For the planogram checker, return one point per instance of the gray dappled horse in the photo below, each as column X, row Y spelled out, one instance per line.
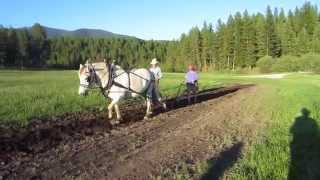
column 115, row 83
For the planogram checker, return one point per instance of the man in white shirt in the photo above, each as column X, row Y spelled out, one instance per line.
column 156, row 71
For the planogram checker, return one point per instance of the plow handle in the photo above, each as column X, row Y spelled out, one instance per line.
column 179, row 89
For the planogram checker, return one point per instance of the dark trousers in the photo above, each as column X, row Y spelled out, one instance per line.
column 192, row 90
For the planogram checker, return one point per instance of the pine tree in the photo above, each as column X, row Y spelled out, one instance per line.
column 316, row 39
column 288, row 40
column 261, row 36
column 308, row 17
column 239, row 49
column 229, row 42
column 252, row 47
column 3, row 45
column 39, row 44
column 206, row 33
column 219, row 46
column 23, row 43
column 303, row 42
column 12, row 48
column 273, row 42
column 249, row 41
column 195, row 43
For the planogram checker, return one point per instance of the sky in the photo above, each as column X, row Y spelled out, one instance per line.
column 145, row 19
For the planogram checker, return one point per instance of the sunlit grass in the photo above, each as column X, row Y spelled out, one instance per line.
column 271, row 157
column 33, row 94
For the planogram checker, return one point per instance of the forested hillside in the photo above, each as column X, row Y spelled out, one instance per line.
column 31, row 48
column 237, row 43
column 95, row 33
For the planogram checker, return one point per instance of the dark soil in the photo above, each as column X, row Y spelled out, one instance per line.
column 86, row 145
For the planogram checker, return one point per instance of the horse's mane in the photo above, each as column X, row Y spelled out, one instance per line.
column 102, row 70
column 100, row 65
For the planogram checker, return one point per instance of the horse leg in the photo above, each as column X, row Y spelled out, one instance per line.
column 148, row 112
column 189, row 97
column 116, row 107
column 195, row 97
column 158, row 96
column 164, row 106
column 114, row 103
column 110, row 108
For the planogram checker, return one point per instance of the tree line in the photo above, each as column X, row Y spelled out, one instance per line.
column 235, row 44
column 31, row 48
column 243, row 39
column 23, row 47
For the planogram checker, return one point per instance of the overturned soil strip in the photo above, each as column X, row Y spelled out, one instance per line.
column 86, row 145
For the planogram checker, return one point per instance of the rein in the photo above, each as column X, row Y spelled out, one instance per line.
column 93, row 80
column 143, row 94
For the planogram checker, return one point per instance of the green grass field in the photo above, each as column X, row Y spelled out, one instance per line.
column 294, row 109
column 291, row 106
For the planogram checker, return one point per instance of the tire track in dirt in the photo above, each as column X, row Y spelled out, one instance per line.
column 143, row 148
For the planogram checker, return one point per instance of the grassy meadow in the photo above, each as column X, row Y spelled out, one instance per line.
column 289, row 147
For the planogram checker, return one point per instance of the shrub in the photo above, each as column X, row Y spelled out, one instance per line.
column 310, row 62
column 286, row 64
column 265, row 64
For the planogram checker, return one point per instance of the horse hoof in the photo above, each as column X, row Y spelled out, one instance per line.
column 114, row 122
column 119, row 119
column 164, row 106
column 145, row 117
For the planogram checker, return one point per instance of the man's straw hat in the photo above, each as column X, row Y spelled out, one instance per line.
column 154, row 61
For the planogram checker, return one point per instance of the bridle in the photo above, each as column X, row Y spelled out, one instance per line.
column 92, row 79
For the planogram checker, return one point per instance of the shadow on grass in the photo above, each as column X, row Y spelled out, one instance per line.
column 224, row 161
column 304, row 148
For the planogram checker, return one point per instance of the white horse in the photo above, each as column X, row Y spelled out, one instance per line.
column 115, row 83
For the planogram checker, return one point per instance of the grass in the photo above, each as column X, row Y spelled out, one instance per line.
column 288, row 148
column 33, row 94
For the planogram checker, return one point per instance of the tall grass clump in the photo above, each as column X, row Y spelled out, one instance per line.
column 310, row 62
column 265, row 64
column 288, row 63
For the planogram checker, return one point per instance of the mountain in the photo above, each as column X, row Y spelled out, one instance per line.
column 83, row 32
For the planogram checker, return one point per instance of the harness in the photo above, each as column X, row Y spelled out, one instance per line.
column 93, row 81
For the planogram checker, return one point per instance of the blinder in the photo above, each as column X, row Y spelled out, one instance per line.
column 92, row 79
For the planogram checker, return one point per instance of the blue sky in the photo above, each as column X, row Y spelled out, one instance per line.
column 146, row 19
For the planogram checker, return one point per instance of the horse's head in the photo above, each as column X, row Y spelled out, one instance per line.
column 84, row 77
column 93, row 75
